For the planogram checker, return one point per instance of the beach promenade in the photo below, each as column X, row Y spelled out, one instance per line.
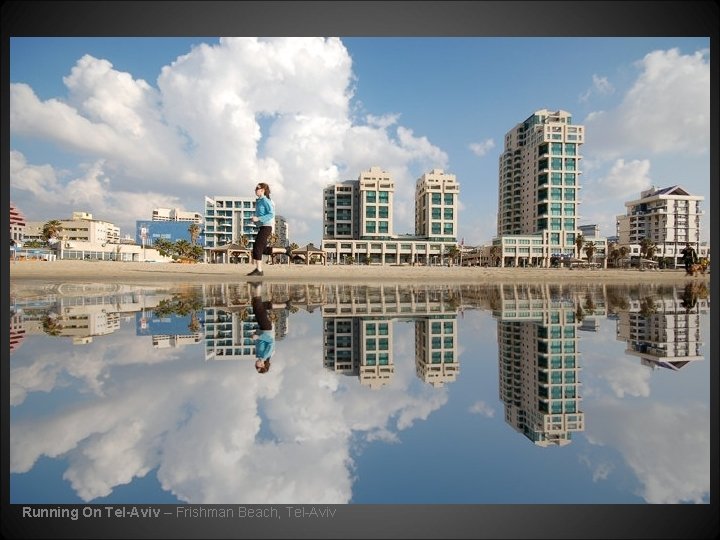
column 154, row 273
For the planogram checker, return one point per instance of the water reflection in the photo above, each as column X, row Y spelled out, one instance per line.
column 108, row 381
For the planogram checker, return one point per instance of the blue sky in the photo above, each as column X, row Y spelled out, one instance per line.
column 119, row 126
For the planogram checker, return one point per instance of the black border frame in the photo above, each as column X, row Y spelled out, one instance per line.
column 507, row 18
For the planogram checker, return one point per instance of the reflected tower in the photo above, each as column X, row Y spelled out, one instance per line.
column 664, row 330
column 539, row 364
column 358, row 332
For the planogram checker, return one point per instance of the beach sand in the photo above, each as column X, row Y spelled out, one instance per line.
column 155, row 273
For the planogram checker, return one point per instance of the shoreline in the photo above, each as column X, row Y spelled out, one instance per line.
column 153, row 273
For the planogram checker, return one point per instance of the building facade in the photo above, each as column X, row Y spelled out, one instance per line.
column 539, row 364
column 17, row 226
column 175, row 214
column 81, row 227
column 282, row 230
column 668, row 217
column 358, row 220
column 358, row 331
column 148, row 232
column 538, row 190
column 228, row 220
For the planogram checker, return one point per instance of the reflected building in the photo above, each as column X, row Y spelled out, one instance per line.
column 359, row 346
column 170, row 330
column 82, row 314
column 664, row 331
column 80, row 311
column 436, row 361
column 358, row 331
column 539, row 363
column 230, row 322
column 17, row 329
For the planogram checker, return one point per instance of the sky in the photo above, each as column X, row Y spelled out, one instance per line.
column 120, row 126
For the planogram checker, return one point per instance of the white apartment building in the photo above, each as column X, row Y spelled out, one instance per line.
column 80, row 228
column 228, row 219
column 358, row 217
column 436, row 197
column 539, row 364
column 282, row 229
column 358, row 326
column 668, row 217
column 175, row 214
column 668, row 337
column 539, row 190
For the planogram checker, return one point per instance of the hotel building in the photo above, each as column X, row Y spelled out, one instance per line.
column 668, row 217
column 358, row 330
column 538, row 190
column 358, row 217
column 171, row 224
column 282, row 229
column 229, row 322
column 81, row 227
column 17, row 225
column 228, row 219
column 175, row 214
column 666, row 332
column 539, row 363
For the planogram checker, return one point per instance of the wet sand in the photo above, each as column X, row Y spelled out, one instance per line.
column 157, row 273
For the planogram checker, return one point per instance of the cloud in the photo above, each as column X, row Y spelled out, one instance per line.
column 600, row 86
column 221, row 117
column 600, row 471
column 482, row 148
column 624, row 181
column 482, row 408
column 214, row 432
column 667, row 447
column 667, row 110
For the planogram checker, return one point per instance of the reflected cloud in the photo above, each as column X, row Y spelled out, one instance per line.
column 197, row 415
column 667, row 448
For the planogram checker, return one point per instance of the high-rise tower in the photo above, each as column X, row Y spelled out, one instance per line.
column 539, row 180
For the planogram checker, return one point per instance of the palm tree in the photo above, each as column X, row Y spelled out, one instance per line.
column 182, row 248
column 194, row 230
column 164, row 247
column 579, row 242
column 196, row 253
column 590, row 249
column 623, row 252
column 51, row 230
column 51, row 324
column 647, row 248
